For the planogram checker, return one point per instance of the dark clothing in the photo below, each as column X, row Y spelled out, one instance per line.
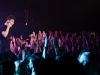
column 5, row 41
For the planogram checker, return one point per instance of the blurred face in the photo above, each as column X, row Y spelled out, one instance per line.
column 56, row 32
column 50, row 33
column 10, row 22
column 43, row 32
column 67, row 35
column 60, row 32
column 78, row 41
column 21, row 37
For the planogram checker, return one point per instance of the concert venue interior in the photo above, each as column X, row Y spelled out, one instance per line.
column 52, row 37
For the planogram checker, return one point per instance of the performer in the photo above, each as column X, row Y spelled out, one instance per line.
column 5, row 33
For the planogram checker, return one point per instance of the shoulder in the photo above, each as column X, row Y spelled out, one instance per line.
column 2, row 27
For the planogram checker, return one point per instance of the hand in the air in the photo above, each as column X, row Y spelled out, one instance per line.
column 55, row 42
column 46, row 41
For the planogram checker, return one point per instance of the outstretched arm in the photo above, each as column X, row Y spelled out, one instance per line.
column 44, row 55
column 56, row 46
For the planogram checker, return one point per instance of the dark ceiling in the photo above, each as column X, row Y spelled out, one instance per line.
column 53, row 14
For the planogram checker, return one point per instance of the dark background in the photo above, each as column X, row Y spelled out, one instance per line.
column 65, row 15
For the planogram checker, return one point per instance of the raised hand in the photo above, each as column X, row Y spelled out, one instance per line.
column 56, row 46
column 44, row 34
column 55, row 42
column 13, row 39
column 9, row 25
column 46, row 41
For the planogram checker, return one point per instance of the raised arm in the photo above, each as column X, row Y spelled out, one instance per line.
column 45, row 48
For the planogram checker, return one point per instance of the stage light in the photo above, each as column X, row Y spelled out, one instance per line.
column 26, row 24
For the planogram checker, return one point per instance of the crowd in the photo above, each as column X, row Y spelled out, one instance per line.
column 54, row 53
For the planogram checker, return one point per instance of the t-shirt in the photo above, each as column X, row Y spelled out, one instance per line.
column 5, row 41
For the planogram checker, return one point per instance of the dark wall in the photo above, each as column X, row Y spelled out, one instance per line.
column 65, row 15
